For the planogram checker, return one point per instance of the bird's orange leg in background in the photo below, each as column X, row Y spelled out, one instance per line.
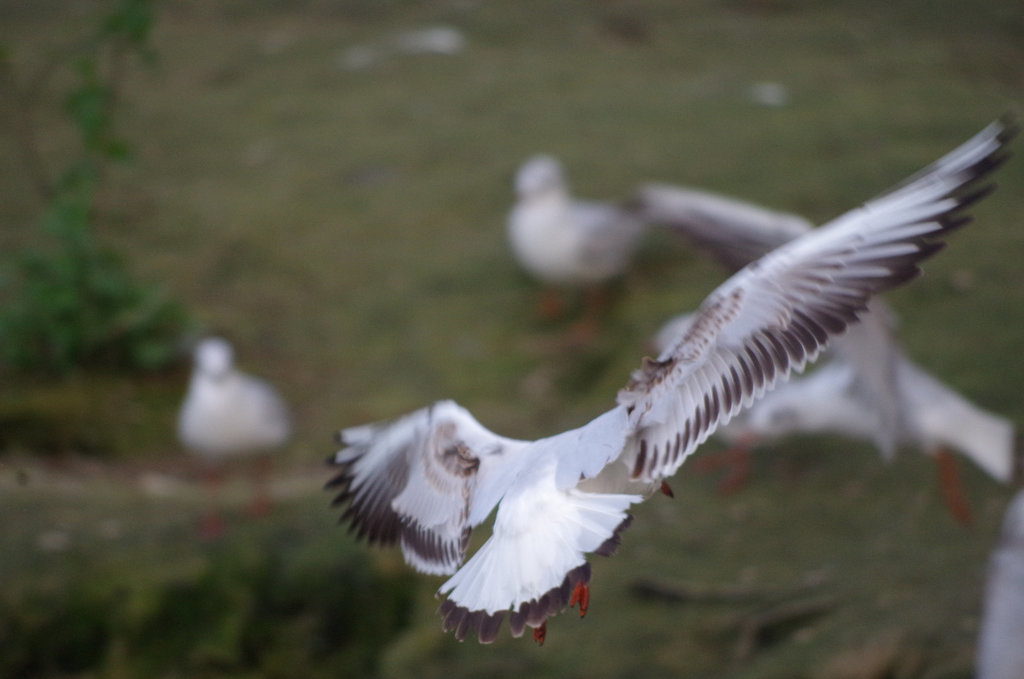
column 583, row 331
column 736, row 460
column 551, row 305
column 212, row 525
column 262, row 502
column 952, row 488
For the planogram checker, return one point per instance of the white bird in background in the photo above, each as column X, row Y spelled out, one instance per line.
column 426, row 479
column 228, row 414
column 1000, row 651
column 868, row 389
column 567, row 243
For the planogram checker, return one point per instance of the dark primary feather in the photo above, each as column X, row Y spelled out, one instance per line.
column 369, row 512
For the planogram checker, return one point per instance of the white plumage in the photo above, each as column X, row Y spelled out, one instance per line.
column 227, row 412
column 428, row 478
column 564, row 241
column 226, row 415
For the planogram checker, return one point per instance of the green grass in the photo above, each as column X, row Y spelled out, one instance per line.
column 346, row 230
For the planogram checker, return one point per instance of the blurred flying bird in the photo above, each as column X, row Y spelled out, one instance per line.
column 732, row 231
column 426, row 479
column 228, row 414
column 868, row 389
column 567, row 243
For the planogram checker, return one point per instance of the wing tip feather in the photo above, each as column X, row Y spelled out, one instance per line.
column 486, row 626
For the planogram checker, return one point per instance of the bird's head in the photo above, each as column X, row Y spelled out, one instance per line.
column 539, row 175
column 214, row 357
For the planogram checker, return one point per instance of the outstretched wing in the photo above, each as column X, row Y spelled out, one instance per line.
column 778, row 312
column 413, row 481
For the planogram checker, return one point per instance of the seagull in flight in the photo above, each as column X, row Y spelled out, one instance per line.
column 867, row 389
column 425, row 480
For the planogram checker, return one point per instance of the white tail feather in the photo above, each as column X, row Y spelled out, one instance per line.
column 538, row 538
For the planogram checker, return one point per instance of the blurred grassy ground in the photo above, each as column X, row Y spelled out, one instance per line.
column 346, row 229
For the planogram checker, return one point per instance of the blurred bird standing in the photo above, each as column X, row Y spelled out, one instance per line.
column 567, row 243
column 226, row 415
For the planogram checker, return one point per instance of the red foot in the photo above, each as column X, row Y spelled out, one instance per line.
column 540, row 632
column 952, row 488
column 212, row 527
column 583, row 332
column 552, row 305
column 581, row 596
column 667, row 489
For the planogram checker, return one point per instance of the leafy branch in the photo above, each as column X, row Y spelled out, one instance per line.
column 73, row 303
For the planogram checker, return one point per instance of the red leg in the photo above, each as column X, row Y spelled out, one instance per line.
column 551, row 305
column 597, row 301
column 582, row 333
column 581, row 596
column 540, row 632
column 740, row 470
column 952, row 488
column 212, row 525
column 735, row 460
column 262, row 502
column 595, row 307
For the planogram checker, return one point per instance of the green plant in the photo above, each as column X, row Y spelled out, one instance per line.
column 68, row 300
column 264, row 603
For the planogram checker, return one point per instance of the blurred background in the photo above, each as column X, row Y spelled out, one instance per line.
column 326, row 185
